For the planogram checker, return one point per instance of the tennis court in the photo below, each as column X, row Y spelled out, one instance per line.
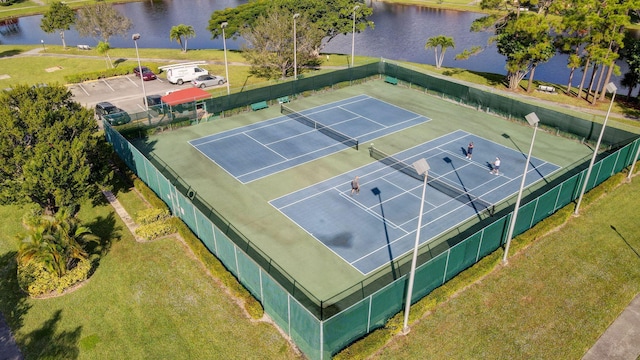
column 370, row 229
column 249, row 204
column 262, row 149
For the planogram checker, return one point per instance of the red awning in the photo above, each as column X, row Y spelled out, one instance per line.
column 185, row 96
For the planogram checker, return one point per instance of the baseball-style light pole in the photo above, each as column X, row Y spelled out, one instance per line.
column 422, row 168
column 224, row 45
column 353, row 35
column 295, row 48
column 533, row 120
column 611, row 87
column 135, row 38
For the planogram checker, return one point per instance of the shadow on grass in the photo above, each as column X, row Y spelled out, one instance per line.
column 631, row 108
column 8, row 53
column 492, row 79
column 48, row 342
column 13, row 301
column 108, row 232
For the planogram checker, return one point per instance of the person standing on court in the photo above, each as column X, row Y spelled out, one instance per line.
column 469, row 150
column 496, row 167
column 355, row 186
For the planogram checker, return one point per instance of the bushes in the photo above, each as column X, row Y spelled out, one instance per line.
column 34, row 279
column 148, row 216
column 94, row 75
column 154, row 223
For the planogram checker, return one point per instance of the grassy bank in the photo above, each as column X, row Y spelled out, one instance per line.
column 566, row 281
column 145, row 300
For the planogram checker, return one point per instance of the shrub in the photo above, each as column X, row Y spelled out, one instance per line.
column 34, row 279
column 148, row 216
column 155, row 230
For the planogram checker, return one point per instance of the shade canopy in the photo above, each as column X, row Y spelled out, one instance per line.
column 185, row 96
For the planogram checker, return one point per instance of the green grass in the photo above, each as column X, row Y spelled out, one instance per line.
column 26, row 8
column 559, row 292
column 145, row 300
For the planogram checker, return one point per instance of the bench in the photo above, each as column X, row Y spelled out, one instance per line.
column 391, row 80
column 259, row 105
column 282, row 100
column 84, row 47
column 547, row 89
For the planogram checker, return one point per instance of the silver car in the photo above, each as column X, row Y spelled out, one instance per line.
column 203, row 81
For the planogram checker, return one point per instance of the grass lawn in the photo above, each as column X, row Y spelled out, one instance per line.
column 553, row 300
column 146, row 300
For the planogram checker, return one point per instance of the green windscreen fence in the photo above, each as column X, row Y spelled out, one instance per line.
column 322, row 327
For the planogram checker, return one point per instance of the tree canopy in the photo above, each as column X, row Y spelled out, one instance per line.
column 102, row 21
column 182, row 31
column 332, row 17
column 270, row 44
column 59, row 17
column 51, row 153
column 591, row 31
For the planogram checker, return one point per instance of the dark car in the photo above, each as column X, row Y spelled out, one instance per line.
column 147, row 74
column 111, row 113
column 203, row 81
column 154, row 102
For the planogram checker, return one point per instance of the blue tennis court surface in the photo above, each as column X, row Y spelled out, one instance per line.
column 264, row 148
column 372, row 228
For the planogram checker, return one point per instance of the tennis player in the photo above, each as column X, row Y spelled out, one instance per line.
column 355, row 186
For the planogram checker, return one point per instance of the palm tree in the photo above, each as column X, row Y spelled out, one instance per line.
column 55, row 241
column 179, row 31
column 103, row 49
column 442, row 42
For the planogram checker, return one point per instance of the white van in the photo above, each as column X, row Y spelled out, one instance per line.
column 181, row 73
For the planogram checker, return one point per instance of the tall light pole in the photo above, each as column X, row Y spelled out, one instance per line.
column 633, row 163
column 295, row 48
column 353, row 34
column 135, row 38
column 422, row 167
column 224, row 45
column 533, row 120
column 611, row 87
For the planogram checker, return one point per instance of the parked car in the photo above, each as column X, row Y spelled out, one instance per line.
column 203, row 81
column 147, row 74
column 111, row 113
column 185, row 72
column 154, row 102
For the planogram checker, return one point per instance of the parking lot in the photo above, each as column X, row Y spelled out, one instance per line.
column 123, row 91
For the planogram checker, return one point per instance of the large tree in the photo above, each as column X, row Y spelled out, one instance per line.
column 439, row 42
column 523, row 37
column 525, row 40
column 59, row 17
column 631, row 53
column 101, row 21
column 181, row 31
column 270, row 44
column 332, row 17
column 51, row 154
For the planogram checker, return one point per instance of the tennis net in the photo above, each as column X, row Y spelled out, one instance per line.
column 458, row 194
column 326, row 130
